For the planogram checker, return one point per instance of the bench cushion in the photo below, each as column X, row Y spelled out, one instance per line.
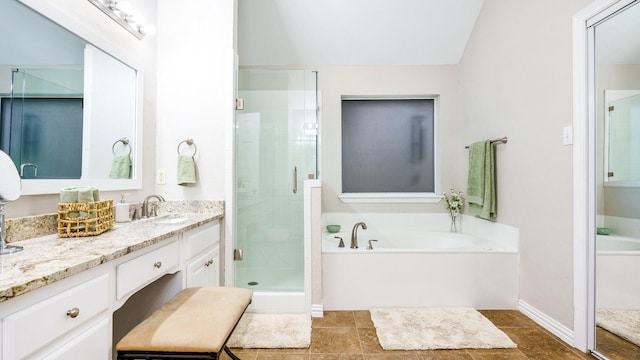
column 195, row 320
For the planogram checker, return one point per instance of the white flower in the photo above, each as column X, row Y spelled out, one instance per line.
column 454, row 202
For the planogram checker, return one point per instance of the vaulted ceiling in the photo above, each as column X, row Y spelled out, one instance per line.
column 354, row 32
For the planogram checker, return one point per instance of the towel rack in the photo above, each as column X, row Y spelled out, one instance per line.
column 124, row 141
column 502, row 140
column 190, row 143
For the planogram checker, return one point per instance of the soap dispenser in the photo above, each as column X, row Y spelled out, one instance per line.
column 122, row 210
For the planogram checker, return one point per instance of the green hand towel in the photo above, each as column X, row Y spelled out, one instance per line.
column 186, row 170
column 120, row 167
column 69, row 195
column 85, row 194
column 79, row 194
column 481, row 185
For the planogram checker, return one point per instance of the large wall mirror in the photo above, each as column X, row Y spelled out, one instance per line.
column 616, row 66
column 70, row 114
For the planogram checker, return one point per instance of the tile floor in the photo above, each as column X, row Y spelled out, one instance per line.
column 350, row 335
column 614, row 347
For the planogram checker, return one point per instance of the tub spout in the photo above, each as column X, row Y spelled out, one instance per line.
column 354, row 234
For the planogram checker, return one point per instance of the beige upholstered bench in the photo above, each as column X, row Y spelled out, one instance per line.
column 195, row 324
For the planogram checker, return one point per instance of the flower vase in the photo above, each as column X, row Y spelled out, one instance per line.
column 454, row 226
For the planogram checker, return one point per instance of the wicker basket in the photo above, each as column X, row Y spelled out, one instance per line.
column 84, row 219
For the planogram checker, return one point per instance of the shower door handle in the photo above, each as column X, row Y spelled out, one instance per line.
column 295, row 179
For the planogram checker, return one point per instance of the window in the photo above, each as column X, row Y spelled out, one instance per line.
column 388, row 146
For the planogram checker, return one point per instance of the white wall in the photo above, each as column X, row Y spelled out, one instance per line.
column 195, row 92
column 84, row 18
column 516, row 81
column 441, row 80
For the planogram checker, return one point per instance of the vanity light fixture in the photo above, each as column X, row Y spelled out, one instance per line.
column 120, row 14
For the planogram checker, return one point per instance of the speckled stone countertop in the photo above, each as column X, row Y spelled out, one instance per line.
column 47, row 259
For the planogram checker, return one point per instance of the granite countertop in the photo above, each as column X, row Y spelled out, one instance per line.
column 47, row 259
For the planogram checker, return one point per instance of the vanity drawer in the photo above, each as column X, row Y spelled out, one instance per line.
column 27, row 330
column 202, row 238
column 146, row 268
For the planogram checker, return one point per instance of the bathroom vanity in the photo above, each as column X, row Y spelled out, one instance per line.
column 58, row 295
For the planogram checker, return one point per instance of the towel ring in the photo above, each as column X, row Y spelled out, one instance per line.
column 124, row 141
column 190, row 143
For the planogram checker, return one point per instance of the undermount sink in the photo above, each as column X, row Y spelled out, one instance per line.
column 171, row 220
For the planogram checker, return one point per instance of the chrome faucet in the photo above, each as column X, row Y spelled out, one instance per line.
column 145, row 205
column 354, row 234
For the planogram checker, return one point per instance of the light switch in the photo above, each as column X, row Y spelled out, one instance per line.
column 161, row 177
column 567, row 135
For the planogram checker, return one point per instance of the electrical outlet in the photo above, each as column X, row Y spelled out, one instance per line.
column 161, row 177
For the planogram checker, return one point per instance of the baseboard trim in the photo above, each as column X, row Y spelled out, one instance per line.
column 317, row 310
column 547, row 322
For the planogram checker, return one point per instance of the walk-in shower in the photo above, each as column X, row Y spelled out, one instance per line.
column 41, row 110
column 275, row 151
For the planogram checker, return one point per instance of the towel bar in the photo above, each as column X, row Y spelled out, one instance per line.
column 502, row 140
column 190, row 143
column 124, row 141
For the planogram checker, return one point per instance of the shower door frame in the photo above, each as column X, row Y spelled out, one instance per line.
column 264, row 301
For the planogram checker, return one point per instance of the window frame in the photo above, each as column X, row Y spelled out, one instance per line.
column 399, row 197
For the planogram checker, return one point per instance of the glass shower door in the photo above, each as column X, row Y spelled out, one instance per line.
column 42, row 120
column 624, row 139
column 276, row 136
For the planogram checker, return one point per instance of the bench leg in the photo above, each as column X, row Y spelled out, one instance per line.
column 231, row 355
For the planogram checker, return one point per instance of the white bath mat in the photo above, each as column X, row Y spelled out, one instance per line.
column 437, row 328
column 624, row 323
column 256, row 331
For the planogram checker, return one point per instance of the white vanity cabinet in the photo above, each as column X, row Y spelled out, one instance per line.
column 203, row 255
column 72, row 318
column 72, row 321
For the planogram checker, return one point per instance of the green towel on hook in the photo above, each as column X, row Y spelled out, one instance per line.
column 186, row 170
column 481, row 182
column 120, row 167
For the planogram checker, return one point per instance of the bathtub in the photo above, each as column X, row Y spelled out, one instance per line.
column 414, row 267
column 407, row 241
column 617, row 269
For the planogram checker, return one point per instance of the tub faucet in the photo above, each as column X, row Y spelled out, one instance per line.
column 354, row 234
column 145, row 205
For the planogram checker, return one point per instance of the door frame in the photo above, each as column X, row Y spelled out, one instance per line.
column 584, row 169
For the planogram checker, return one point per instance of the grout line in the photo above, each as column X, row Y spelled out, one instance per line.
column 355, row 326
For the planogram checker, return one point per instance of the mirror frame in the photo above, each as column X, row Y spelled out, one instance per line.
column 91, row 36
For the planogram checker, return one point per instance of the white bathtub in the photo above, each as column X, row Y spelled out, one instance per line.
column 611, row 244
column 617, row 269
column 413, row 267
column 404, row 240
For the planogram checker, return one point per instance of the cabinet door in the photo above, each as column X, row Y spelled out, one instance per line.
column 196, row 271
column 204, row 270
column 94, row 343
column 213, row 267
